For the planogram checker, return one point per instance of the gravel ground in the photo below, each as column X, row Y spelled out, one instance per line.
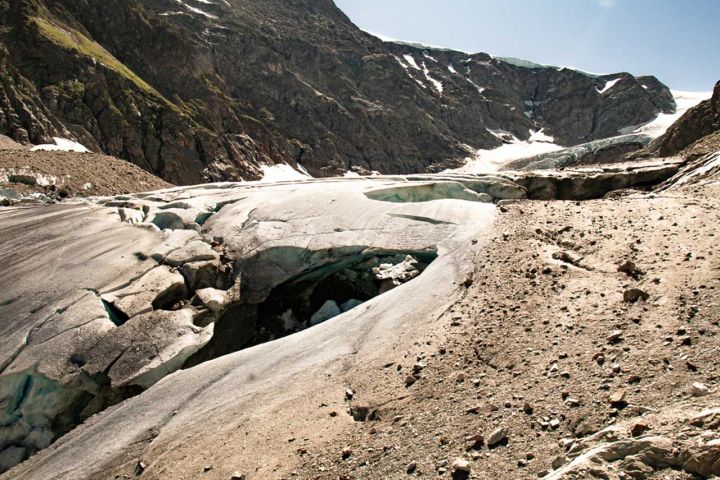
column 75, row 174
column 545, row 349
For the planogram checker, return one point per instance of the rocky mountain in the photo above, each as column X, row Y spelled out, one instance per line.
column 204, row 90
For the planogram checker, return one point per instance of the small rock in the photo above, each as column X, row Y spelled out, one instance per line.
column 617, row 399
column 497, row 437
column 237, row 476
column 215, row 300
column 559, row 461
column 634, row 295
column 461, row 465
column 615, row 337
column 412, row 466
column 346, row 453
column 630, row 269
column 697, row 389
column 475, row 442
column 410, row 380
column 361, row 413
column 639, row 428
column 140, row 468
column 349, row 394
column 527, row 408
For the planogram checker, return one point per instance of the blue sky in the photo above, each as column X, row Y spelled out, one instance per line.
column 678, row 41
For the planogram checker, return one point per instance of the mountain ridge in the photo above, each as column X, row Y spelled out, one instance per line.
column 208, row 91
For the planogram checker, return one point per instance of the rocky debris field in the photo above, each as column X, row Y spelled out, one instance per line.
column 586, row 347
column 51, row 176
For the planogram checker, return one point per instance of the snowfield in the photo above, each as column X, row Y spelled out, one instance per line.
column 491, row 160
column 684, row 100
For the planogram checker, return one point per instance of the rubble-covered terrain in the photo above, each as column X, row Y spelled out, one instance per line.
column 359, row 327
column 46, row 176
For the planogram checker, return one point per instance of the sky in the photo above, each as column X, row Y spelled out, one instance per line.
column 678, row 41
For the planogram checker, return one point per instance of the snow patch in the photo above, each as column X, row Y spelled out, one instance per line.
column 61, row 145
column 479, row 88
column 609, row 85
column 539, row 136
column 436, row 83
column 282, row 172
column 411, row 61
column 486, row 161
column 197, row 10
column 451, row 69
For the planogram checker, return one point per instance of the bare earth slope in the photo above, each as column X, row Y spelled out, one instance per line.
column 543, row 341
column 64, row 174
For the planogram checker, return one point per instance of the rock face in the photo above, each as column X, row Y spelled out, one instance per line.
column 690, row 446
column 210, row 91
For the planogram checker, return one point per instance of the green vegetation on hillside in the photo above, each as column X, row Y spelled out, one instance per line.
column 78, row 42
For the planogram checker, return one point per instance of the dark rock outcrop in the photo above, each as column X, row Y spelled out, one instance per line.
column 202, row 91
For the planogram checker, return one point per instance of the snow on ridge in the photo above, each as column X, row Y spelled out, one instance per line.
column 436, row 83
column 479, row 88
column 539, row 136
column 197, row 10
column 608, row 85
column 411, row 61
column 407, row 70
column 61, row 145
